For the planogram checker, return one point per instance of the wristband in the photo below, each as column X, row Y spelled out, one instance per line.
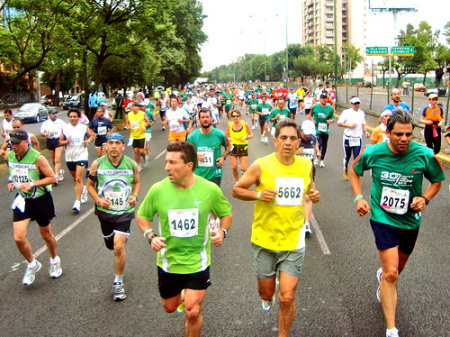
column 426, row 199
column 31, row 184
column 224, row 158
column 258, row 196
column 147, row 231
column 358, row 197
column 135, row 195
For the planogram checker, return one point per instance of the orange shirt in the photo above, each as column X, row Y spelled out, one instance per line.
column 433, row 114
column 378, row 134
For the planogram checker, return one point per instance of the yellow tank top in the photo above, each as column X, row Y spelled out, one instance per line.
column 278, row 224
column 237, row 135
column 137, row 123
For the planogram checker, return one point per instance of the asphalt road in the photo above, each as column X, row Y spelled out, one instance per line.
column 335, row 296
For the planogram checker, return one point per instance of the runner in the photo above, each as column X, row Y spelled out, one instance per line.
column 293, row 98
column 114, row 185
column 433, row 118
column 101, row 127
column 137, row 124
column 396, row 201
column 379, row 133
column 252, row 104
column 309, row 102
column 280, row 113
column 183, row 202
column 281, row 181
column 148, row 109
column 263, row 110
column 240, row 133
column 76, row 137
column 308, row 147
column 7, row 123
column 176, row 117
column 32, row 176
column 52, row 130
column 301, row 92
column 32, row 140
column 323, row 115
column 354, row 122
column 396, row 101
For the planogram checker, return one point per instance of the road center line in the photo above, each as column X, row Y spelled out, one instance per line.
column 319, row 235
column 57, row 237
column 159, row 155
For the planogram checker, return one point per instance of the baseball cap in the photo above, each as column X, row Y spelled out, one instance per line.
column 142, row 104
column 116, row 135
column 308, row 128
column 385, row 112
column 432, row 95
column 355, row 100
column 324, row 95
column 103, row 104
column 18, row 135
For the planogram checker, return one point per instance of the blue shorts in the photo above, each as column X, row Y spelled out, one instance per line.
column 387, row 236
column 263, row 121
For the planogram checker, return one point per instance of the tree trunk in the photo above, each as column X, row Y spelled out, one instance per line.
column 57, row 86
column 85, row 84
column 439, row 73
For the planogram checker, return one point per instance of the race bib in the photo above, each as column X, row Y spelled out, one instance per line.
column 265, row 111
column 394, row 200
column 19, row 176
column 183, row 223
column 76, row 141
column 253, row 106
column 308, row 153
column 119, row 201
column 228, row 102
column 354, row 141
column 134, row 124
column 322, row 127
column 208, row 160
column 102, row 130
column 174, row 124
column 282, row 117
column 290, row 191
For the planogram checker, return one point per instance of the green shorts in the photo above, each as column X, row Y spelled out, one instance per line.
column 267, row 262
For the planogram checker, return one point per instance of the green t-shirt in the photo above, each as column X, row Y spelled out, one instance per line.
column 184, row 97
column 183, row 221
column 320, row 115
column 285, row 113
column 210, row 144
column 149, row 113
column 397, row 179
column 253, row 105
column 229, row 100
column 265, row 109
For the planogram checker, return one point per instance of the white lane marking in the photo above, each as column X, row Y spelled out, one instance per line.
column 159, row 155
column 15, row 266
column 319, row 235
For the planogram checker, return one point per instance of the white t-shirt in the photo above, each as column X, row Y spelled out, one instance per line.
column 75, row 150
column 55, row 127
column 308, row 101
column 211, row 101
column 318, row 93
column 174, row 116
column 7, row 126
column 350, row 116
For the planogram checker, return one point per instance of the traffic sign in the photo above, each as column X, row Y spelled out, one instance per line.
column 230, row 74
column 403, row 51
column 377, row 51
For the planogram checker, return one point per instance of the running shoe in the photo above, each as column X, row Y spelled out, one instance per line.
column 146, row 159
column 140, row 167
column 181, row 307
column 266, row 305
column 253, row 127
column 393, row 333
column 30, row 274
column 379, row 273
column 262, row 138
column 55, row 269
column 266, row 140
column 164, row 128
column 61, row 175
column 119, row 292
column 322, row 164
column 76, row 207
column 346, row 174
column 316, row 162
column 84, row 195
column 308, row 228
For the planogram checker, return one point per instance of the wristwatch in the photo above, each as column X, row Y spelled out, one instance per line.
column 224, row 232
column 151, row 237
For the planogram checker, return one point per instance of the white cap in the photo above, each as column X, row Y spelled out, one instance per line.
column 385, row 112
column 355, row 100
column 308, row 128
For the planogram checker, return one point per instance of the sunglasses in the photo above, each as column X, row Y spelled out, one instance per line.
column 235, row 115
column 432, row 99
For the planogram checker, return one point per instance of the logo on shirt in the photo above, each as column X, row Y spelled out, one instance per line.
column 396, row 179
column 196, row 203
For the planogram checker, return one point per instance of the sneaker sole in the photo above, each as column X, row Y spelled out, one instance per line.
column 118, row 299
column 39, row 268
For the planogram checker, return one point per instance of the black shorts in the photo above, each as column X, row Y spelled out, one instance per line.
column 293, row 110
column 99, row 142
column 307, row 111
column 52, row 143
column 72, row 165
column 41, row 210
column 217, row 180
column 162, row 114
column 263, row 121
column 228, row 108
column 138, row 143
column 387, row 236
column 239, row 150
column 170, row 285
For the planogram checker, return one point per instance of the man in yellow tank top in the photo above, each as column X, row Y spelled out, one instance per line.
column 281, row 181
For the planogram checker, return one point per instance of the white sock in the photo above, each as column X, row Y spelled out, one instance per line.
column 32, row 264
column 393, row 330
column 118, row 278
column 77, row 203
column 55, row 260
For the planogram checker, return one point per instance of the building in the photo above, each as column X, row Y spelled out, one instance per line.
column 318, row 25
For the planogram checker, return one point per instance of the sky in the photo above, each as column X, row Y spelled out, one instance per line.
column 239, row 27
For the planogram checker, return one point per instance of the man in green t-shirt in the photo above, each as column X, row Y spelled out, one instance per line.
column 148, row 109
column 263, row 110
column 252, row 104
column 280, row 113
column 397, row 202
column 113, row 183
column 323, row 115
column 183, row 201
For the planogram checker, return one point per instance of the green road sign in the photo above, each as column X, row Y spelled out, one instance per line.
column 377, row 51
column 230, row 74
column 403, row 51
